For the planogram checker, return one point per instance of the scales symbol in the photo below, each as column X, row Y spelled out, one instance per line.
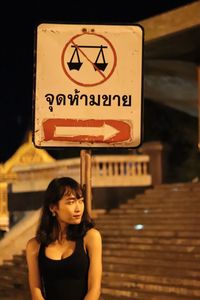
column 75, row 62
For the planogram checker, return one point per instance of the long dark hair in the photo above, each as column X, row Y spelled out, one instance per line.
column 48, row 229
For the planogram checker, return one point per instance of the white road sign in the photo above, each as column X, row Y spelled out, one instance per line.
column 88, row 85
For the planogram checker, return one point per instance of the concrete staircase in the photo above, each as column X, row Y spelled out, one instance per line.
column 151, row 249
column 152, row 245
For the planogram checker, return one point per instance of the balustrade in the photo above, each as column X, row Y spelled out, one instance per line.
column 107, row 171
column 120, row 170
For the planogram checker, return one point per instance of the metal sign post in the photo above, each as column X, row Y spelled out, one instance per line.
column 198, row 82
column 86, row 177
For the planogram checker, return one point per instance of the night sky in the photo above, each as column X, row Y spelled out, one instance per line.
column 18, row 23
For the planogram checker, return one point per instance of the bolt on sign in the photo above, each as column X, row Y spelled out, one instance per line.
column 88, row 86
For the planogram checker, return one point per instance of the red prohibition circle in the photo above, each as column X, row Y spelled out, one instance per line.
column 72, row 41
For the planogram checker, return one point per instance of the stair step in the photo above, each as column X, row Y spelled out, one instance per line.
column 190, row 242
column 159, row 227
column 151, row 233
column 155, row 270
column 14, row 295
column 155, row 211
column 152, row 255
column 191, row 250
column 149, row 287
column 146, row 214
column 110, row 297
column 157, row 199
column 180, row 186
column 150, row 220
column 158, row 208
column 169, row 264
column 164, row 280
column 140, row 295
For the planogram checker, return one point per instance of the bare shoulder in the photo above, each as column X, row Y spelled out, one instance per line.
column 32, row 246
column 93, row 233
column 92, row 236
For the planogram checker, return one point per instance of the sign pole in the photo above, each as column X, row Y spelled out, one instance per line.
column 198, row 82
column 86, row 177
column 82, row 168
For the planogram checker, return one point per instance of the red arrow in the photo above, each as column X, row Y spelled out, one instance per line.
column 94, row 131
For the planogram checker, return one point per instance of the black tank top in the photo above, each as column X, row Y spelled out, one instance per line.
column 67, row 278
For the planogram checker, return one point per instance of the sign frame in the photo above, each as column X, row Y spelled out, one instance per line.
column 81, row 143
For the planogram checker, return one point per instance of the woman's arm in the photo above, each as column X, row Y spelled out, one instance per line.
column 32, row 250
column 94, row 247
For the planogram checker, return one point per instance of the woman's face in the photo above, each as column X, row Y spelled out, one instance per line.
column 69, row 209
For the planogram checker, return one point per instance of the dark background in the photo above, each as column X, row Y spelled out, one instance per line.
column 18, row 23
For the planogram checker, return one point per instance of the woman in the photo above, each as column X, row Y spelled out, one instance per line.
column 65, row 257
